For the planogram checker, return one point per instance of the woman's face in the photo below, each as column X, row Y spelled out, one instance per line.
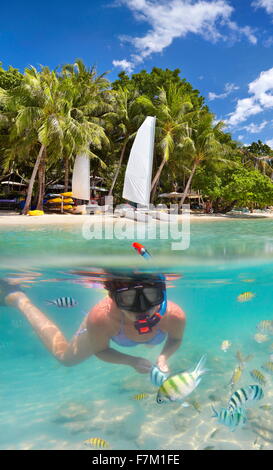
column 135, row 316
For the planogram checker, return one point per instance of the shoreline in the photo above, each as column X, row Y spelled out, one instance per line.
column 13, row 219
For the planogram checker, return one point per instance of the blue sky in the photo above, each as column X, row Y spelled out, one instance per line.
column 223, row 47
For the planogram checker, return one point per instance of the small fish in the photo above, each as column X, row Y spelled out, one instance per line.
column 265, row 326
column 245, row 297
column 196, row 405
column 157, row 376
column 140, row 396
column 266, row 407
column 258, row 376
column 96, row 443
column 248, row 280
column 225, row 345
column 241, row 359
column 261, row 338
column 178, row 386
column 236, row 375
column 209, row 448
column 229, row 419
column 240, row 398
column 141, row 250
column 63, row 302
column 268, row 366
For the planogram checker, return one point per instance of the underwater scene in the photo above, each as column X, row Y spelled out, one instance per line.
column 218, row 392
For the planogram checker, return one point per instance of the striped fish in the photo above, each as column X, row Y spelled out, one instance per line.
column 258, row 376
column 245, row 297
column 96, row 443
column 63, row 302
column 268, row 366
column 177, row 387
column 229, row 419
column 140, row 396
column 265, row 326
column 157, row 376
column 239, row 398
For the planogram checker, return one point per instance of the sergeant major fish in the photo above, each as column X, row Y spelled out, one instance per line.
column 258, row 376
column 229, row 419
column 63, row 302
column 245, row 297
column 96, row 443
column 268, row 366
column 240, row 398
column 178, row 386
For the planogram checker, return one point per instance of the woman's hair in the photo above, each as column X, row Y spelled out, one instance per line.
column 114, row 283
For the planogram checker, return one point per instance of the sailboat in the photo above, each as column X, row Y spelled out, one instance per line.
column 81, row 179
column 138, row 175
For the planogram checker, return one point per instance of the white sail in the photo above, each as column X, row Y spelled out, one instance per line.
column 81, row 178
column 137, row 182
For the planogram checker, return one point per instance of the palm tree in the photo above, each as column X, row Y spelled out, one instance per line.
column 47, row 116
column 200, row 145
column 172, row 109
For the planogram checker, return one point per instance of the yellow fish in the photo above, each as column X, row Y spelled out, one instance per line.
column 225, row 345
column 236, row 375
column 242, row 360
column 140, row 396
column 245, row 297
column 258, row 376
column 96, row 443
column 268, row 366
column 261, row 338
column 195, row 404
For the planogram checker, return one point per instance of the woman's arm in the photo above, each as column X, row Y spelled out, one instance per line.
column 100, row 333
column 175, row 324
column 112, row 355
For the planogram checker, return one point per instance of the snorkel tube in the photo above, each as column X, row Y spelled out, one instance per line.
column 145, row 323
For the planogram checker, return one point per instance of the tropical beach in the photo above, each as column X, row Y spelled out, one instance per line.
column 136, row 246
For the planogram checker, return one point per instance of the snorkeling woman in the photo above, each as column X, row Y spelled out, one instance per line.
column 135, row 312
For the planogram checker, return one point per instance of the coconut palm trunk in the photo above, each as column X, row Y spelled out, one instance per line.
column 41, row 179
column 158, row 173
column 186, row 190
column 118, row 168
column 32, row 180
column 66, row 174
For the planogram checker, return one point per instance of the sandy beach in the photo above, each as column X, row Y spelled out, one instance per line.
column 14, row 219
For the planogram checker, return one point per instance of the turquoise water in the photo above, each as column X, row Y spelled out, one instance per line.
column 44, row 405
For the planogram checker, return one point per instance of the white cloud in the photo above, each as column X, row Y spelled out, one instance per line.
column 269, row 143
column 267, row 4
column 123, row 64
column 229, row 88
column 171, row 19
column 260, row 100
column 255, row 128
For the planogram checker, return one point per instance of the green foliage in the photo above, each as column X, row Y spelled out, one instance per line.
column 74, row 109
column 10, row 78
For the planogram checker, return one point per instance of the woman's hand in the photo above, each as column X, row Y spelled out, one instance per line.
column 143, row 366
column 162, row 364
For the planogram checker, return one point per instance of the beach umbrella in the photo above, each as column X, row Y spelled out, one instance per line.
column 14, row 183
column 97, row 188
column 174, row 194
